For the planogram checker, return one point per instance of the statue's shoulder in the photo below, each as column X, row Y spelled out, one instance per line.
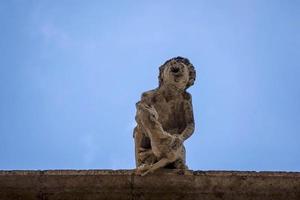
column 149, row 94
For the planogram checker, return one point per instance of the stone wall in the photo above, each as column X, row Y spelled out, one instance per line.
column 164, row 184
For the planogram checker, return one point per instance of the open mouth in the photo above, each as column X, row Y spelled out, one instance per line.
column 174, row 70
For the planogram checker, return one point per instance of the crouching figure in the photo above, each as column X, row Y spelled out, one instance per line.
column 165, row 119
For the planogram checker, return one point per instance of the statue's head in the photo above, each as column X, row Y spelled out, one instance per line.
column 178, row 72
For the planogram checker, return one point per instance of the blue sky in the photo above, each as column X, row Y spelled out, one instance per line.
column 71, row 72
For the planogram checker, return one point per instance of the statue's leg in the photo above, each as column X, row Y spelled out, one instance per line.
column 163, row 162
column 143, row 151
column 137, row 141
column 180, row 163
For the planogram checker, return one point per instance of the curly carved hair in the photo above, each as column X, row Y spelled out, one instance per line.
column 192, row 71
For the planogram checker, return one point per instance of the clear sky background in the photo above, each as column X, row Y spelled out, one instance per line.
column 72, row 71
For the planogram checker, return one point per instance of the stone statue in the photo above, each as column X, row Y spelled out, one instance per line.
column 165, row 119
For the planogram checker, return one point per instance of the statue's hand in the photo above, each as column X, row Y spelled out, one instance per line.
column 178, row 141
column 150, row 110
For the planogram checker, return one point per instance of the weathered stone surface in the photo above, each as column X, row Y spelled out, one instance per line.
column 164, row 184
column 165, row 119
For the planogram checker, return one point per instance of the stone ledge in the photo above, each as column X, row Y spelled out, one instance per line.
column 164, row 184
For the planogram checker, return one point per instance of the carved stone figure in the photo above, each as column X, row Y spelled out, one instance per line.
column 165, row 119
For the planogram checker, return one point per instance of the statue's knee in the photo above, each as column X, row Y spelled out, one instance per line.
column 180, row 164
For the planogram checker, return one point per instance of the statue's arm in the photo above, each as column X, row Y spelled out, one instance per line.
column 189, row 118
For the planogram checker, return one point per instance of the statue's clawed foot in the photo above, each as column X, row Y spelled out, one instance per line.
column 141, row 169
column 161, row 163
